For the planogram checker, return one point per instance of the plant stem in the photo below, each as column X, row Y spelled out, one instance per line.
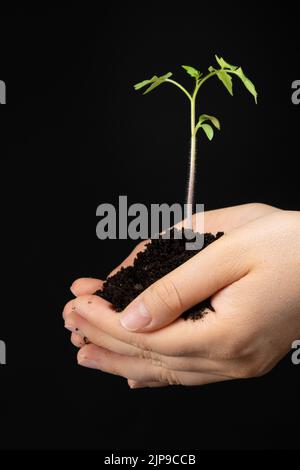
column 191, row 180
column 181, row 88
column 192, row 169
column 205, row 78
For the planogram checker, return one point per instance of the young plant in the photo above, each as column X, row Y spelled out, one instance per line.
column 224, row 74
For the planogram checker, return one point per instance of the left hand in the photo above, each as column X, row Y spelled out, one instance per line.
column 245, row 336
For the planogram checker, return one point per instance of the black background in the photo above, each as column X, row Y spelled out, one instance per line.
column 74, row 134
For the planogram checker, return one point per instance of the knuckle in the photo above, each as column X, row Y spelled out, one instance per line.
column 153, row 358
column 260, row 206
column 166, row 294
column 164, row 357
column 166, row 376
column 177, row 363
column 142, row 342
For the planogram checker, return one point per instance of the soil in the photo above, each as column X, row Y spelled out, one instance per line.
column 160, row 256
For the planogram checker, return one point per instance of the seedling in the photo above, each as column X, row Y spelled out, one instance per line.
column 224, row 74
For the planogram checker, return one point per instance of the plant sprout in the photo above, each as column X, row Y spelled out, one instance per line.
column 224, row 74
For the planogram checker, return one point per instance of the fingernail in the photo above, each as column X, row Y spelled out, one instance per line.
column 133, row 385
column 136, row 317
column 88, row 363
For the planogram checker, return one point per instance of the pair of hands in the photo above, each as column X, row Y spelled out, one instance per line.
column 252, row 274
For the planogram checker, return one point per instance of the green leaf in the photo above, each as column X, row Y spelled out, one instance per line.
column 225, row 65
column 211, row 69
column 153, row 82
column 158, row 82
column 213, row 119
column 137, row 86
column 248, row 84
column 208, row 130
column 192, row 71
column 225, row 79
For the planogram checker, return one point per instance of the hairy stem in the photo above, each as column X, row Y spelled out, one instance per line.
column 192, row 169
column 191, row 180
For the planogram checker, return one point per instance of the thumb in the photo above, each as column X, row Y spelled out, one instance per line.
column 218, row 265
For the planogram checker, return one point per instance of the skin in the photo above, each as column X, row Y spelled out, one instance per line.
column 253, row 276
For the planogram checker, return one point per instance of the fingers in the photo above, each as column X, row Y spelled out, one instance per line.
column 77, row 340
column 181, row 338
column 117, row 364
column 184, row 363
column 184, row 345
column 139, row 370
column 83, row 331
column 136, row 384
column 221, row 263
column 86, row 285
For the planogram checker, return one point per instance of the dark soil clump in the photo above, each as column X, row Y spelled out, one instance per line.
column 160, row 256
